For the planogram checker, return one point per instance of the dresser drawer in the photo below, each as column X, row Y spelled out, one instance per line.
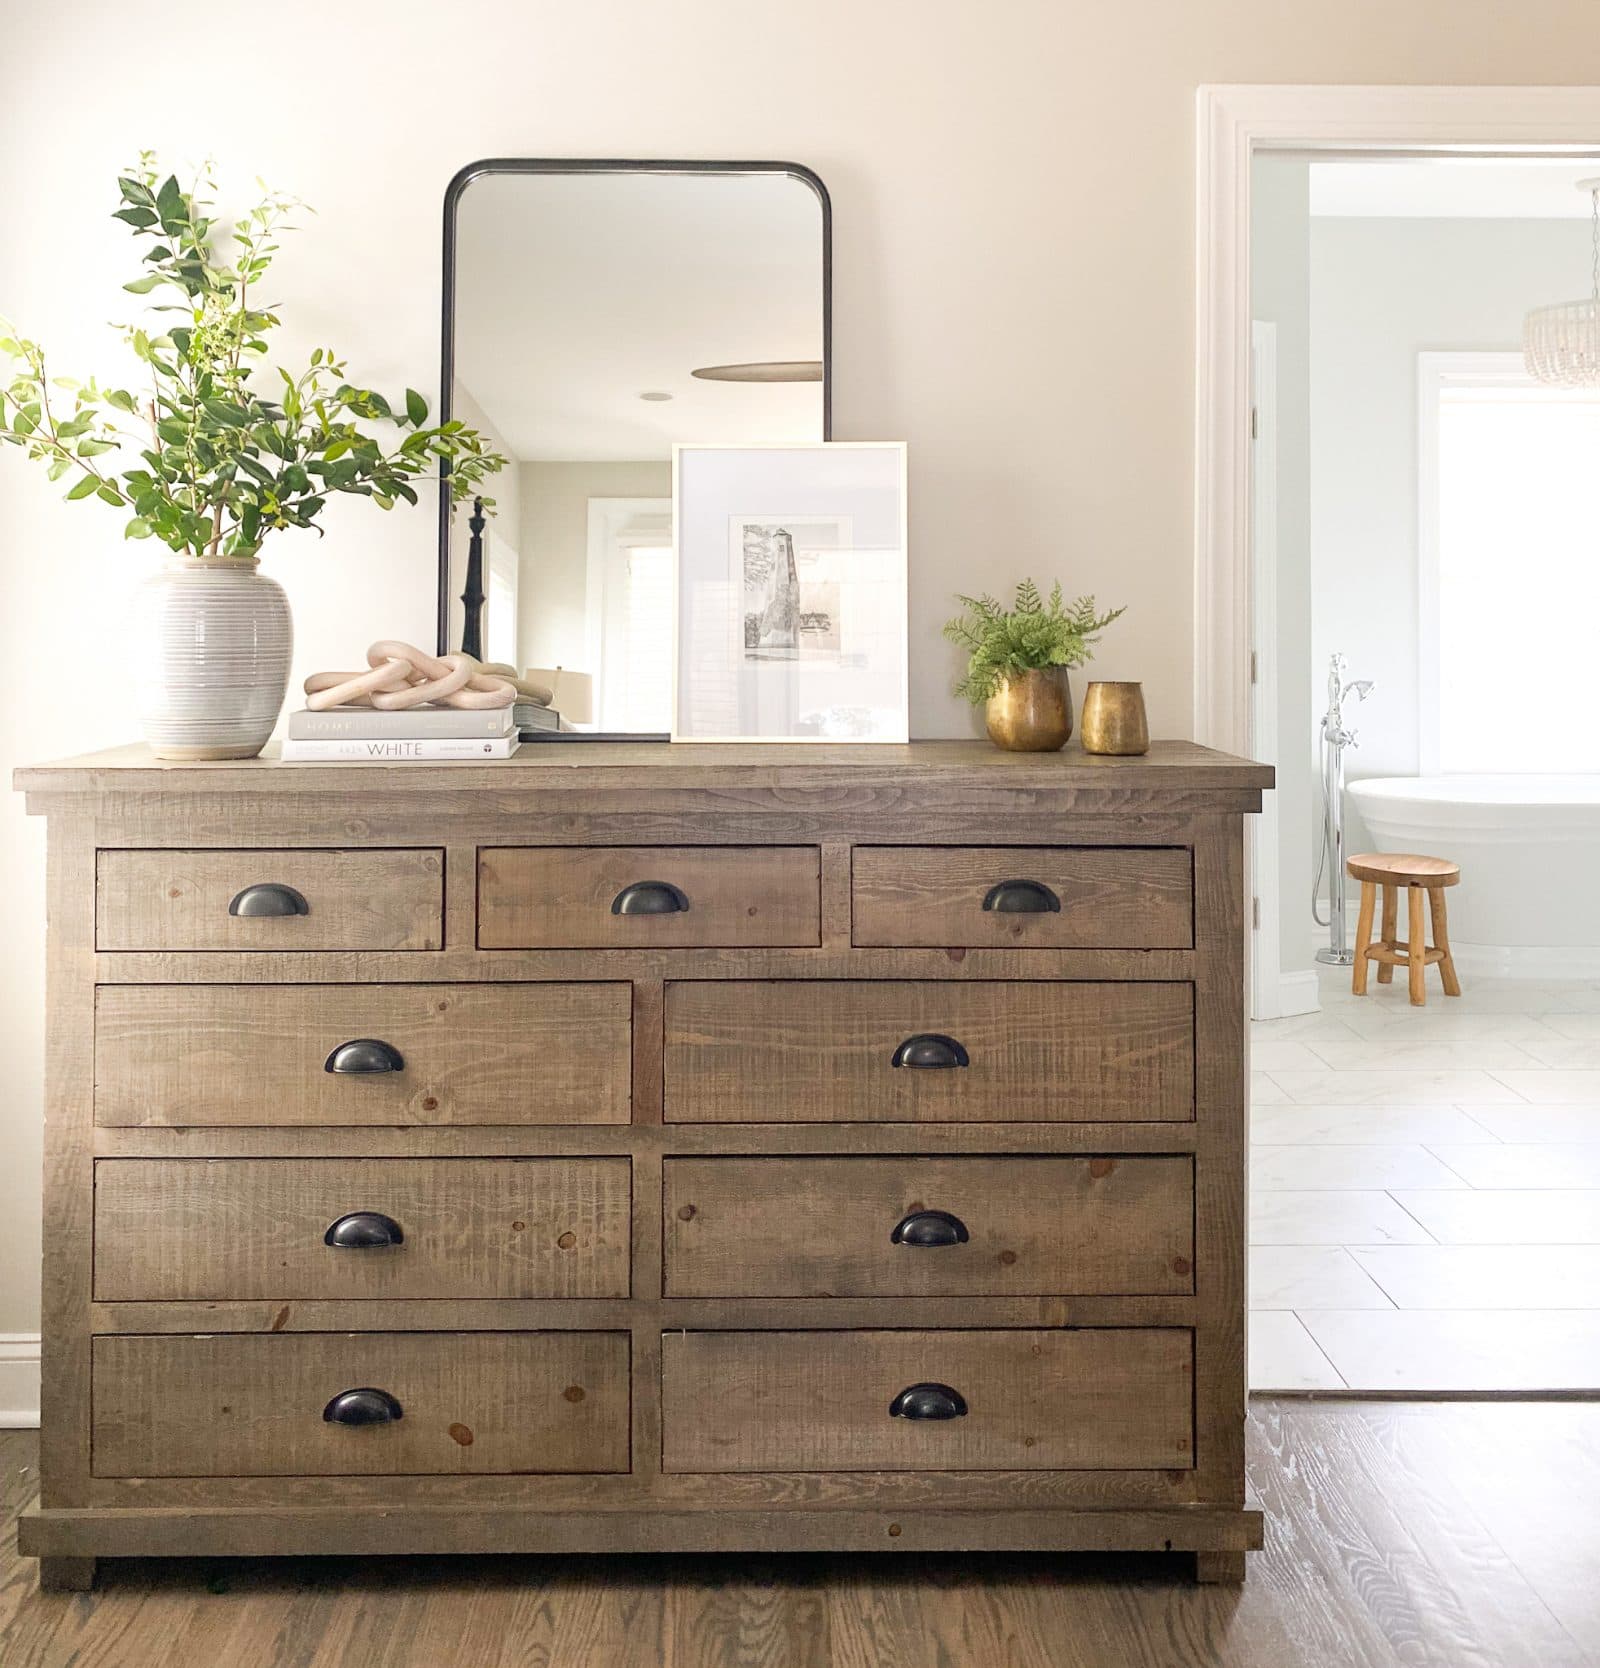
column 179, row 1230
column 631, row 897
column 269, row 900
column 1033, row 1401
column 429, row 1054
column 1021, row 897
column 825, row 1051
column 928, row 1227
column 264, row 1404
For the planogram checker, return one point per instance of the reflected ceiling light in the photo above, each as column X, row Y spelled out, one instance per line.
column 1561, row 344
column 763, row 370
column 654, row 394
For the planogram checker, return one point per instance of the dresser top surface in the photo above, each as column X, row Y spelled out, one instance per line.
column 539, row 767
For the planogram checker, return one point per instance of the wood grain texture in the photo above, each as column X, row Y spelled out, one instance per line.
column 185, row 1229
column 1108, row 898
column 1399, row 1535
column 821, row 1051
column 357, row 900
column 819, row 1401
column 821, row 1227
column 1084, row 1055
column 255, row 1054
column 561, row 896
column 252, row 1406
column 1167, row 767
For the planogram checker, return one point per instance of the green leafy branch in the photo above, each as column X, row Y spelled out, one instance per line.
column 1001, row 641
column 216, row 462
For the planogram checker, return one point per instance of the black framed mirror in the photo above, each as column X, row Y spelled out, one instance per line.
column 595, row 313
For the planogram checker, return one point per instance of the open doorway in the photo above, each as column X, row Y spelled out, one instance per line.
column 1425, row 1181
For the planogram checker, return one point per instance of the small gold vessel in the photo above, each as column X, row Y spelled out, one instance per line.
column 1114, row 719
column 1031, row 712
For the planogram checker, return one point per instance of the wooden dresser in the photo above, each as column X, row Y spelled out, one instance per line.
column 645, row 1148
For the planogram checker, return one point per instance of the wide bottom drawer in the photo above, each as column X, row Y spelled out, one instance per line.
column 1059, row 1400
column 360, row 1404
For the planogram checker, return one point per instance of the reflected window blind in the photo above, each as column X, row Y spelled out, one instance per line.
column 641, row 679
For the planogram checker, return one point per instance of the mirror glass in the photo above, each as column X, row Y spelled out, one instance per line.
column 601, row 314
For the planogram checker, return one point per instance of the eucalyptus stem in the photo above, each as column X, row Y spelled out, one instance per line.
column 226, row 463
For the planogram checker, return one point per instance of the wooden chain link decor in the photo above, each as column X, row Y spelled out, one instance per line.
column 400, row 675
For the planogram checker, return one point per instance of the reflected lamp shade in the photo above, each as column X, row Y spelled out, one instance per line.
column 1561, row 343
column 572, row 693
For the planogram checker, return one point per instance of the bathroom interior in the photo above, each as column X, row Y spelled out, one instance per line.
column 1425, row 1179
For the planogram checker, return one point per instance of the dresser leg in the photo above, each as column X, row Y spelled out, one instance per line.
column 1219, row 1569
column 66, row 1575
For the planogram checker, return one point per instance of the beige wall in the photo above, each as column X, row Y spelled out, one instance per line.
column 1013, row 193
column 553, row 583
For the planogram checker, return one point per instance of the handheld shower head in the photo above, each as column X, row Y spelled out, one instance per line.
column 1361, row 688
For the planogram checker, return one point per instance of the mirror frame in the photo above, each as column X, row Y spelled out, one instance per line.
column 558, row 165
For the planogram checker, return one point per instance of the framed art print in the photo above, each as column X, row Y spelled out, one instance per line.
column 789, row 588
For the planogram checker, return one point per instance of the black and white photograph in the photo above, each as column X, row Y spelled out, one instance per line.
column 791, row 594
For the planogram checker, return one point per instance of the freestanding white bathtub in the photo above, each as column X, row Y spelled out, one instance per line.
column 1529, row 850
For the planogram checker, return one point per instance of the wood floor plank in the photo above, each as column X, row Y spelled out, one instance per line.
column 1410, row 1535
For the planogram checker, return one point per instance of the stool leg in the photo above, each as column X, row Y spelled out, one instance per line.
column 1358, row 970
column 1441, row 941
column 1389, row 937
column 1417, row 948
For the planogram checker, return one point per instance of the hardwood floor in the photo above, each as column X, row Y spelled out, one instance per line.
column 1429, row 1535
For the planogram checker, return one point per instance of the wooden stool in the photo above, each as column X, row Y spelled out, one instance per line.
column 1417, row 875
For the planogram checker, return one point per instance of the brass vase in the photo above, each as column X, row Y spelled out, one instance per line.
column 1114, row 719
column 1031, row 712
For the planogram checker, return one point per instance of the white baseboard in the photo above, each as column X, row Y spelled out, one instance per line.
column 1526, row 961
column 1298, row 993
column 1287, row 995
column 19, row 1380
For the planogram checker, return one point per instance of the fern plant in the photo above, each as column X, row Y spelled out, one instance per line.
column 1030, row 636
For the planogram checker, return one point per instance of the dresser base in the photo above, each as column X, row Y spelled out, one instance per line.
column 62, row 1537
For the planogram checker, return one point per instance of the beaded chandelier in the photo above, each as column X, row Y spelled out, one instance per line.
column 1561, row 344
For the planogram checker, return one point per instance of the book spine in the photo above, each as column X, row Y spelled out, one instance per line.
column 361, row 725
column 400, row 752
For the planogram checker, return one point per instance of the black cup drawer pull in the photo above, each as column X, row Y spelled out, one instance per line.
column 361, row 1230
column 930, row 1051
column 1022, row 897
column 269, row 898
column 928, row 1401
column 929, row 1228
column 650, row 897
column 362, row 1407
column 364, row 1057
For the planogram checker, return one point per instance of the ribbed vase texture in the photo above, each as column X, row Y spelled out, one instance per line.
column 212, row 644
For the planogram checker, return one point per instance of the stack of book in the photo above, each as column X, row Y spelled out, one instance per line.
column 421, row 734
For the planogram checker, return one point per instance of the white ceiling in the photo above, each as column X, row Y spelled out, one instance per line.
column 1531, row 188
column 575, row 294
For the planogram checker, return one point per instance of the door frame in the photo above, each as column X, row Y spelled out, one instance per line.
column 1233, row 122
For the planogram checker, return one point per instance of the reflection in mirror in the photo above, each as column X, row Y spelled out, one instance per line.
column 602, row 312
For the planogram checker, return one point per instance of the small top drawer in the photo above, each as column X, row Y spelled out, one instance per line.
column 637, row 897
column 1023, row 897
column 269, row 900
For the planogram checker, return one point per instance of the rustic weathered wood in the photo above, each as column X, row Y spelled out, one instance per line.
column 562, row 896
column 1105, row 899
column 219, row 1136
column 184, row 1229
column 355, row 900
column 66, row 1575
column 252, row 1406
column 257, row 1054
column 823, row 1051
column 814, row 1227
column 820, row 1401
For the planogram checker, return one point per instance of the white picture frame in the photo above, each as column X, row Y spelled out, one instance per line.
column 790, row 592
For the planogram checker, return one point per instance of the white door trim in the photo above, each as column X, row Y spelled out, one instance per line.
column 1266, row 969
column 1233, row 123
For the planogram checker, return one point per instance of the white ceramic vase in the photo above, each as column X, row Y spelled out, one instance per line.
column 212, row 642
